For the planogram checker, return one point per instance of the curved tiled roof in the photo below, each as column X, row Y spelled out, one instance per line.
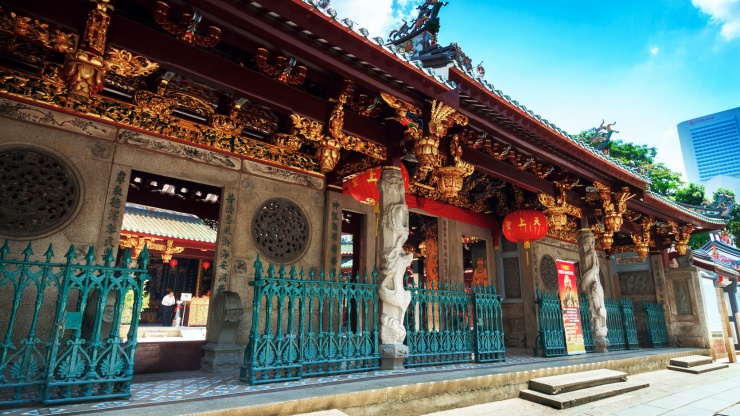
column 164, row 223
column 674, row 204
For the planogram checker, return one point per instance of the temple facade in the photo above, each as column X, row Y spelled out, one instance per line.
column 223, row 140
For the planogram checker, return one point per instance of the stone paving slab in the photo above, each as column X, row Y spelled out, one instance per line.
column 691, row 361
column 698, row 369
column 582, row 396
column 569, row 382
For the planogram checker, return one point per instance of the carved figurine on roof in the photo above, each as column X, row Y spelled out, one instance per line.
column 421, row 33
column 723, row 201
column 599, row 137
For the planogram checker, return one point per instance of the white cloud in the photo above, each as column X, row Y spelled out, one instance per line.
column 654, row 50
column 725, row 13
column 379, row 17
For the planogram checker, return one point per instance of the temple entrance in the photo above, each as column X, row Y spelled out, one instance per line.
column 423, row 242
column 178, row 222
column 475, row 263
column 353, row 251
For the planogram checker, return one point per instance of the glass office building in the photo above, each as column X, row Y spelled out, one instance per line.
column 709, row 145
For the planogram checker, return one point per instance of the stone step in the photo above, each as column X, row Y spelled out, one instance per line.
column 699, row 369
column 691, row 361
column 575, row 381
column 582, row 396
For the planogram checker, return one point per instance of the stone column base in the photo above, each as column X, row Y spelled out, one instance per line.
column 222, row 358
column 392, row 356
column 601, row 345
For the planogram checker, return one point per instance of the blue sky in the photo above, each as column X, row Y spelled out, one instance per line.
column 648, row 65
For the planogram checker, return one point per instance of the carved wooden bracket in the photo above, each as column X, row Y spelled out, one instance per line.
column 230, row 124
column 283, row 68
column 642, row 241
column 612, row 220
column 682, row 238
column 186, row 30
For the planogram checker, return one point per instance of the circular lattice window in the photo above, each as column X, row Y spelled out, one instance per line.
column 549, row 273
column 38, row 192
column 280, row 230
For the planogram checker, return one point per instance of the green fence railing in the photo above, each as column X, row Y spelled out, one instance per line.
column 620, row 321
column 310, row 325
column 588, row 331
column 657, row 332
column 439, row 329
column 447, row 324
column 551, row 333
column 77, row 355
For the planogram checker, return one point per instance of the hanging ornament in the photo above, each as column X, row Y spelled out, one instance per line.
column 364, row 188
column 206, row 264
column 173, row 263
column 525, row 226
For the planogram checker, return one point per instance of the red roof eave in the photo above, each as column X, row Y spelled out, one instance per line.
column 474, row 90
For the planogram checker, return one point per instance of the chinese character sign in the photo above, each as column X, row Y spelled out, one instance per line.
column 571, row 311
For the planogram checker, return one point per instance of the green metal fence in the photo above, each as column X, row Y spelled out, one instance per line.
column 489, row 325
column 438, row 325
column 620, row 321
column 551, row 333
column 447, row 324
column 78, row 355
column 588, row 330
column 657, row 332
column 310, row 325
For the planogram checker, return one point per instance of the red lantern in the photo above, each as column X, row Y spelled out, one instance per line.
column 173, row 263
column 206, row 264
column 524, row 226
column 364, row 186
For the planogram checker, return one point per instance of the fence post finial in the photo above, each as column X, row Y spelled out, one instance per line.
column 4, row 250
column 144, row 257
column 49, row 253
column 257, row 268
column 27, row 252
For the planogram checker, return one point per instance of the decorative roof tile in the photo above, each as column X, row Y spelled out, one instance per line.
column 164, row 223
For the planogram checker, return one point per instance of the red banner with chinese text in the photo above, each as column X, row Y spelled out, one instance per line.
column 569, row 303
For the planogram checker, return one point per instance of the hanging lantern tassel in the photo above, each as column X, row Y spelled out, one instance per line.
column 376, row 209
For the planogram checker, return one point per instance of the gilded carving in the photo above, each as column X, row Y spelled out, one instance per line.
column 37, row 32
column 557, row 208
column 84, row 69
column 283, row 70
column 156, row 103
column 229, row 125
column 450, row 178
column 682, row 238
column 614, row 205
column 642, row 241
column 186, row 30
column 44, row 92
column 124, row 63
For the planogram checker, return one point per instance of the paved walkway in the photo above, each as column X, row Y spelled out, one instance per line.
column 196, row 392
column 673, row 393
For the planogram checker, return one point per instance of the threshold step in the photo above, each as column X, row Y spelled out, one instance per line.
column 691, row 361
column 583, row 396
column 575, row 381
column 699, row 369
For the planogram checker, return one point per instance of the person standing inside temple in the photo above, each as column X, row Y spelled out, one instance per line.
column 168, row 304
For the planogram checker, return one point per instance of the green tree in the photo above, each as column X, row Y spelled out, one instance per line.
column 665, row 181
column 692, row 194
column 632, row 154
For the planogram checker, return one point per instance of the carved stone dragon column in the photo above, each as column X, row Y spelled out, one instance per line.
column 392, row 263
column 591, row 284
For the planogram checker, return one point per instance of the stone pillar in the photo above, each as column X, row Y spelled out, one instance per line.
column 393, row 231
column 686, row 306
column 726, row 329
column 591, row 285
column 222, row 353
